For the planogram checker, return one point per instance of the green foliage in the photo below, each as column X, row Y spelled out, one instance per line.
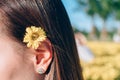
column 92, row 7
column 116, row 9
column 103, row 8
column 106, row 8
column 75, row 30
column 118, row 77
column 84, row 33
column 117, row 14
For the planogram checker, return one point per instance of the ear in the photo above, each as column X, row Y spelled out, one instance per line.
column 43, row 56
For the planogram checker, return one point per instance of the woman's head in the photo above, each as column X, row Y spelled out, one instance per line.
column 57, row 55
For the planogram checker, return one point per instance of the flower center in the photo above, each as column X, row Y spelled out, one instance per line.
column 35, row 36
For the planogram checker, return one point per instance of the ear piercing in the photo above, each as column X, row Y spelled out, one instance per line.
column 41, row 71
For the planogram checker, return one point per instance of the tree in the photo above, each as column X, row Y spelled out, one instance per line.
column 94, row 34
column 91, row 8
column 105, row 9
column 101, row 7
column 75, row 30
column 116, row 9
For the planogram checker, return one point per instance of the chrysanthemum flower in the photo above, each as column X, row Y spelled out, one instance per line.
column 34, row 36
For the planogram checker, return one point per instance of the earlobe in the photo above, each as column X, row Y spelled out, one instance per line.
column 43, row 57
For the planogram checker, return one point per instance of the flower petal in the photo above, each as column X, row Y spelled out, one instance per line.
column 28, row 30
column 29, row 44
column 30, row 33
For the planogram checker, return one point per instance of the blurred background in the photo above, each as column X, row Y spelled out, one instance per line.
column 96, row 25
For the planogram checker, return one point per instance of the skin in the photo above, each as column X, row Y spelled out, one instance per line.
column 12, row 63
column 22, row 63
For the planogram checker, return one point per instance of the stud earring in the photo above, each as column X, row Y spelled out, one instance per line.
column 41, row 71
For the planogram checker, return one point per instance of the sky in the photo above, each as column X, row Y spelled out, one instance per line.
column 82, row 21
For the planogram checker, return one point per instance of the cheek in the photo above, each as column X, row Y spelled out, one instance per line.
column 13, row 64
column 9, row 62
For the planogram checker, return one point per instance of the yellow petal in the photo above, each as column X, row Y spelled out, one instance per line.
column 41, row 38
column 35, row 45
column 27, row 38
column 29, row 44
column 34, row 29
column 28, row 30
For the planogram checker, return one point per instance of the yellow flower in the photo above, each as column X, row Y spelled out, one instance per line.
column 34, row 36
